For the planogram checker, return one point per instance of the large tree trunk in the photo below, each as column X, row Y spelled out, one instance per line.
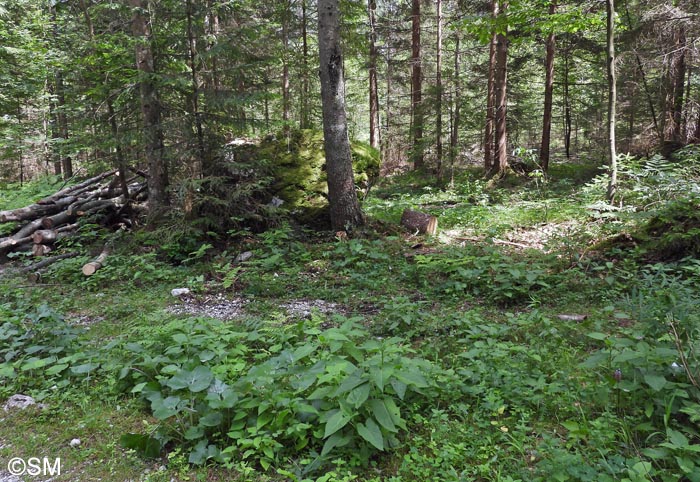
column 344, row 207
column 438, row 81
column 416, row 88
column 612, row 94
column 373, row 89
column 150, row 110
column 501, row 103
column 286, row 14
column 491, row 95
column 548, row 93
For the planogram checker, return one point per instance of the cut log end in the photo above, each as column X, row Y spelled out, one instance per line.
column 90, row 268
column 421, row 222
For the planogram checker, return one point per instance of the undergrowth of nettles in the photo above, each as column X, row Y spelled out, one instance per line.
column 543, row 334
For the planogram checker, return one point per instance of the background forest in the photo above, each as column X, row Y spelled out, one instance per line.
column 174, row 302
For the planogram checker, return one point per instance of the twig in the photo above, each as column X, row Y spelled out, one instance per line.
column 679, row 347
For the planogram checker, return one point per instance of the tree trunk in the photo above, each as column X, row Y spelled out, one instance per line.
column 501, row 105
column 194, row 68
column 548, row 93
column 612, row 94
column 373, row 89
column 285, row 66
column 150, row 110
column 567, row 107
column 344, row 207
column 491, row 95
column 417, row 221
column 304, row 118
column 438, row 100
column 678, row 86
column 454, row 138
column 416, row 88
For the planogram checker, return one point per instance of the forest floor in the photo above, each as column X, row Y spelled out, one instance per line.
column 540, row 335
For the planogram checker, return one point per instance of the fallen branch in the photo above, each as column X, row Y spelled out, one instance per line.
column 47, row 262
column 510, row 243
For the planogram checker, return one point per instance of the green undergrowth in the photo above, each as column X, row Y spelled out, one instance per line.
column 545, row 334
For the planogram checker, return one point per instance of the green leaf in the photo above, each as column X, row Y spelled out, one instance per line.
column 381, row 413
column 412, row 378
column 84, row 368
column 359, row 395
column 336, row 422
column 349, row 383
column 597, row 336
column 371, row 433
column 399, row 387
column 34, row 363
column 143, row 444
column 165, row 408
column 56, row 369
column 303, row 351
column 212, row 419
column 196, row 380
column 677, row 438
column 656, row 382
column 194, row 433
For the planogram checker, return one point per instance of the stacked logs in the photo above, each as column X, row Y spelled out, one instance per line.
column 43, row 223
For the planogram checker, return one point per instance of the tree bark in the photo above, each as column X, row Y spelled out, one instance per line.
column 612, row 94
column 491, row 95
column 567, row 107
column 345, row 210
column 548, row 94
column 501, row 105
column 150, row 110
column 416, row 88
column 286, row 14
column 373, row 89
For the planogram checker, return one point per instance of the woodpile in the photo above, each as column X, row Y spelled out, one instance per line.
column 99, row 199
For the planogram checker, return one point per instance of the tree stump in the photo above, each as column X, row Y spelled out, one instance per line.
column 419, row 222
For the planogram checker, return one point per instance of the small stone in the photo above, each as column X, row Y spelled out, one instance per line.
column 18, row 401
column 244, row 256
column 177, row 292
column 75, row 442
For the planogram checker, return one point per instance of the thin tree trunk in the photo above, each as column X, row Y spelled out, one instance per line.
column 59, row 121
column 489, row 145
column 438, row 80
column 416, row 87
column 612, row 94
column 304, row 122
column 686, row 110
column 454, row 138
column 373, row 89
column 150, row 110
column 678, row 87
column 194, row 68
column 285, row 66
column 345, row 210
column 567, row 107
column 501, row 104
column 548, row 93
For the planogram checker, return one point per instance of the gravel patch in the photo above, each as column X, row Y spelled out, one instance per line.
column 213, row 306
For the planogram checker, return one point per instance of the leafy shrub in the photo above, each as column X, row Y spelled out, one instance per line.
column 489, row 274
column 260, row 396
column 40, row 350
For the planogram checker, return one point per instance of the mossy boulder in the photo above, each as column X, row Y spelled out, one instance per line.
column 299, row 166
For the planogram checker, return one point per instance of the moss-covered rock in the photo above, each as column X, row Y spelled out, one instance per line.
column 299, row 166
